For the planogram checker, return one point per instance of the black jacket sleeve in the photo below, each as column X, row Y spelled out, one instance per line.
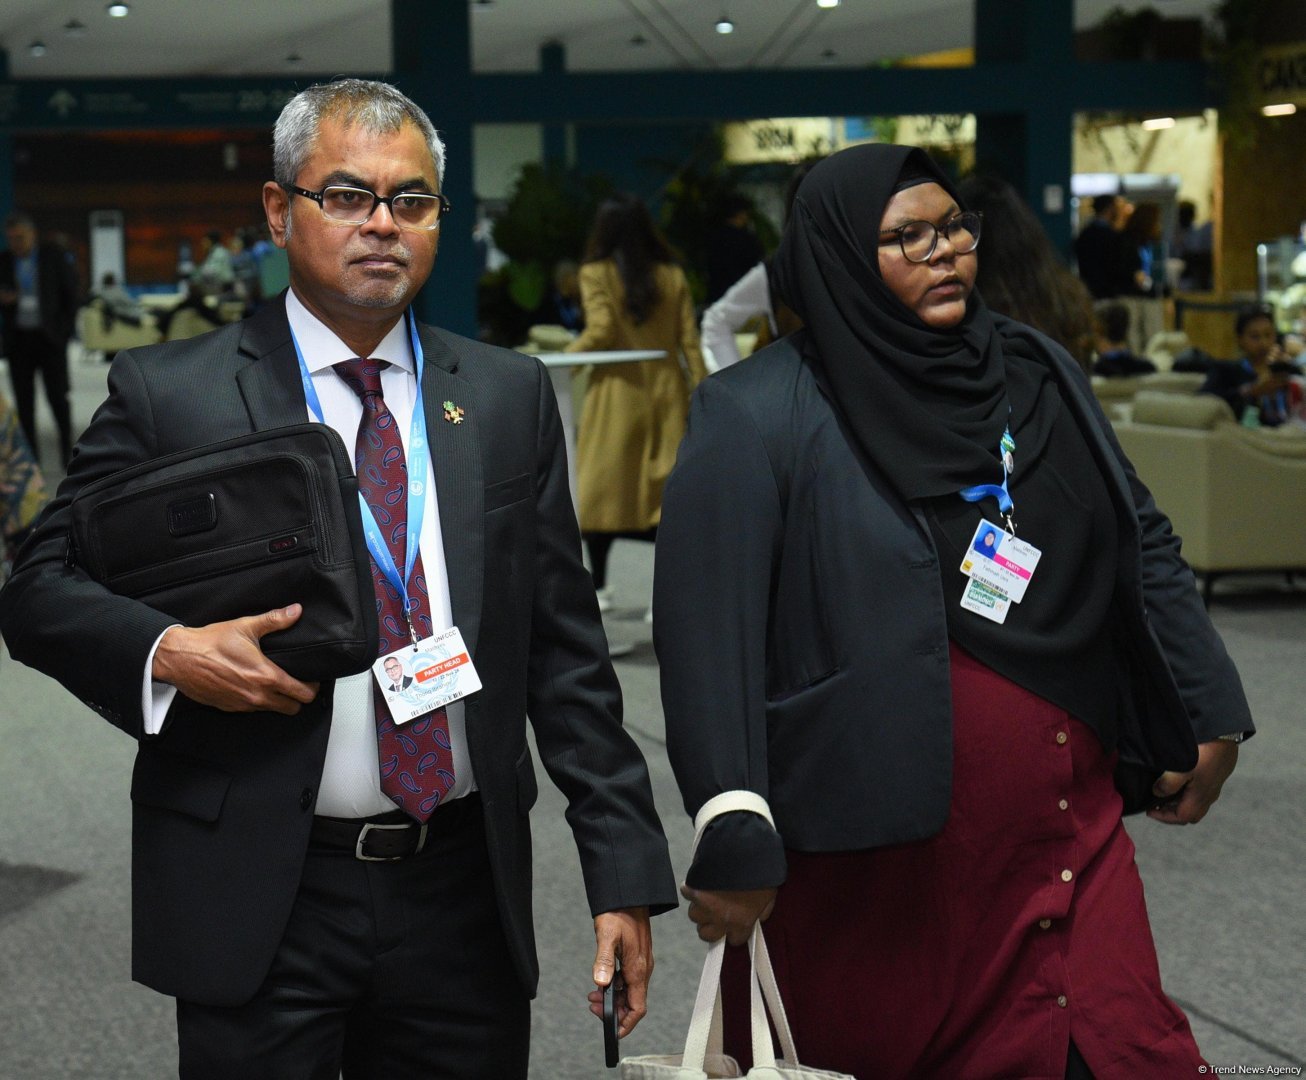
column 718, row 548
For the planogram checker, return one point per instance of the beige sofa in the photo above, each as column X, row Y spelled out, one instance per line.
column 1237, row 497
column 1117, row 394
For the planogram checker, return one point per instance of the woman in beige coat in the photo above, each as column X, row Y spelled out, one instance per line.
column 634, row 297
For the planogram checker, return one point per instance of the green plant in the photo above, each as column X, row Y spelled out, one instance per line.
column 546, row 220
column 692, row 207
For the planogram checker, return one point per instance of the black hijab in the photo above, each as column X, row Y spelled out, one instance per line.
column 927, row 406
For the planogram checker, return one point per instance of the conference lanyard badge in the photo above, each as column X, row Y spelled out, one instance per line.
column 428, row 674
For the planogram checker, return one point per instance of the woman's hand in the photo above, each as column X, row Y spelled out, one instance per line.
column 728, row 913
column 1186, row 797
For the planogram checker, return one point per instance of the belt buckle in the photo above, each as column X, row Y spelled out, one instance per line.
column 368, row 826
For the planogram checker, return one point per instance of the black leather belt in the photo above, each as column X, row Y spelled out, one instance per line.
column 390, row 837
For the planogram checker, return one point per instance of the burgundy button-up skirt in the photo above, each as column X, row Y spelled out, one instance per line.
column 983, row 951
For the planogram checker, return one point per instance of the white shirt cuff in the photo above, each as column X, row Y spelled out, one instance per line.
column 156, row 697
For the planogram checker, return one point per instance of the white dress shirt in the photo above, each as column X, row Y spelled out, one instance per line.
column 350, row 785
column 747, row 298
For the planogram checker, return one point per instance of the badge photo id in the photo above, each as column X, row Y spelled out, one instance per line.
column 417, row 679
column 997, row 559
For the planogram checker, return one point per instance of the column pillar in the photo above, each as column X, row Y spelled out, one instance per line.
column 6, row 151
column 433, row 66
column 1031, row 148
column 553, row 62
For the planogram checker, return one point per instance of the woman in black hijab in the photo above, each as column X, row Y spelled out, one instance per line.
column 910, row 592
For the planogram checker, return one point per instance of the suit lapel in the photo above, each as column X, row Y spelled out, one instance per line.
column 270, row 384
column 459, row 484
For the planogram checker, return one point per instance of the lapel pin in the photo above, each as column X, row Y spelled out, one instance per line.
column 453, row 414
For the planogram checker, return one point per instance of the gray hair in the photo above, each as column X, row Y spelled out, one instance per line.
column 377, row 107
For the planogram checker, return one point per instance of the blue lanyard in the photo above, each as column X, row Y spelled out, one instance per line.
column 1006, row 448
column 418, row 463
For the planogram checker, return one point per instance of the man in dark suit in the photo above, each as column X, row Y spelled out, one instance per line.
column 304, row 923
column 1100, row 249
column 38, row 305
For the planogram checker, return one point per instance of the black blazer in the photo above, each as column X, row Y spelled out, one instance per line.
column 222, row 803
column 801, row 632
column 57, row 290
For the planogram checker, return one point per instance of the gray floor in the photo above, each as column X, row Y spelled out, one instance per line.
column 1226, row 897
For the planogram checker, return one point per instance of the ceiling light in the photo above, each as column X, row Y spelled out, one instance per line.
column 73, row 28
column 118, row 11
column 293, row 58
column 638, row 39
column 828, row 55
column 827, row 3
column 1286, row 109
column 724, row 25
column 1158, row 123
column 37, row 48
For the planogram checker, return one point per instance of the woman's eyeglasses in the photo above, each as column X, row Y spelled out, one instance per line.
column 918, row 239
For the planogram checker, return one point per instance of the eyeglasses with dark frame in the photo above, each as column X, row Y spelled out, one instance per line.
column 342, row 204
column 918, row 239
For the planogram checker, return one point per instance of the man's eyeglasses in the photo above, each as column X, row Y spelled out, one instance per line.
column 346, row 205
column 918, row 239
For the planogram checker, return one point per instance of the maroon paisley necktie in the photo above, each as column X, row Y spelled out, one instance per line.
column 416, row 762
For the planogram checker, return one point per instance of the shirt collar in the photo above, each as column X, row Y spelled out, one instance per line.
column 321, row 348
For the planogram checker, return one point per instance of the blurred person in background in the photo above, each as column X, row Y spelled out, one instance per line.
column 750, row 300
column 1192, row 244
column 1114, row 356
column 634, row 296
column 39, row 295
column 1145, row 266
column 1100, row 249
column 214, row 275
column 733, row 247
column 1021, row 275
column 1263, row 385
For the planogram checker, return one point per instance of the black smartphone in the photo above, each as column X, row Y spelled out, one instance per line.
column 611, row 1052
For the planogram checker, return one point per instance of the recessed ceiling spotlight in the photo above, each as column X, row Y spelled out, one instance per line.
column 73, row 28
column 828, row 55
column 827, row 3
column 482, row 4
column 724, row 25
column 1158, row 123
column 1286, row 109
column 293, row 58
column 37, row 48
column 638, row 40
column 118, row 11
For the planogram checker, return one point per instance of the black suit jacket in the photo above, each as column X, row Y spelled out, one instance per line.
column 57, row 290
column 222, row 803
column 1102, row 256
column 802, row 635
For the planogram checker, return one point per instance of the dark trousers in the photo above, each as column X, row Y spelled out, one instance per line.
column 32, row 351
column 393, row 970
column 599, row 544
